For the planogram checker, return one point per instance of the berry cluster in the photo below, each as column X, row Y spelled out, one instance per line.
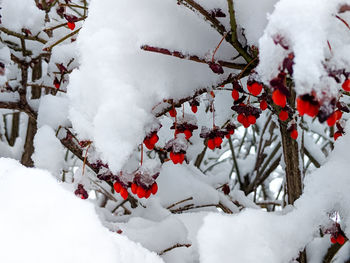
column 214, row 136
column 144, row 192
column 71, row 21
column 185, row 128
column 81, row 192
column 151, row 140
column 337, row 234
column 247, row 114
column 177, row 148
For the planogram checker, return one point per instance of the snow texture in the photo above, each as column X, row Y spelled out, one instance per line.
column 118, row 79
column 278, row 237
column 319, row 40
column 50, row 224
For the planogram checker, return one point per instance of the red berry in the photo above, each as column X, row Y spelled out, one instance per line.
column 154, row 139
column 173, row 112
column 346, row 85
column 283, row 115
column 246, row 123
column 255, row 88
column 338, row 114
column 294, row 134
column 235, row 94
column 251, row 119
column 337, row 135
column 263, row 105
column 57, row 85
column 240, row 118
column 154, row 188
column 141, row 192
column 313, row 110
column 71, row 25
column 181, row 157
column 211, row 144
column 333, row 240
column 279, row 98
column 124, row 193
column 331, row 120
column 340, row 239
column 174, row 157
column 217, row 141
column 302, row 106
column 134, row 188
column 188, row 134
column 117, row 187
column 148, row 144
column 148, row 193
column 194, row 108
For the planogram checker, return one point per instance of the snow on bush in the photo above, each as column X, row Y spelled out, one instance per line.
column 113, row 108
column 315, row 32
column 41, row 222
column 255, row 235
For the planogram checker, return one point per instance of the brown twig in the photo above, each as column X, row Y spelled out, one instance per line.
column 174, row 246
column 195, row 58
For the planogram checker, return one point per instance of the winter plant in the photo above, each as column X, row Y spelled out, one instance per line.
column 169, row 114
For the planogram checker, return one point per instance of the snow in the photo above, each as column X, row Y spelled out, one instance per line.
column 305, row 28
column 49, row 224
column 49, row 158
column 53, row 111
column 104, row 90
column 26, row 13
column 278, row 237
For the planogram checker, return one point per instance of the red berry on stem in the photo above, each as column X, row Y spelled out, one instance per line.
column 217, row 141
column 124, row 193
column 294, row 134
column 246, row 123
column 188, row 134
column 235, row 94
column 134, row 188
column 117, row 187
column 313, row 110
column 141, row 192
column 148, row 193
column 211, row 144
column 181, row 157
column 255, row 88
column 194, row 108
column 148, row 144
column 346, row 85
column 263, row 105
column 337, row 135
column 71, row 25
column 283, row 115
column 173, row 112
column 251, row 119
column 154, row 188
column 331, row 120
column 154, row 139
column 279, row 98
column 174, row 157
column 340, row 239
column 240, row 118
column 302, row 106
column 338, row 114
column 333, row 240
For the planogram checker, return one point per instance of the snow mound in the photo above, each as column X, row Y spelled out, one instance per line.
column 258, row 236
column 41, row 222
